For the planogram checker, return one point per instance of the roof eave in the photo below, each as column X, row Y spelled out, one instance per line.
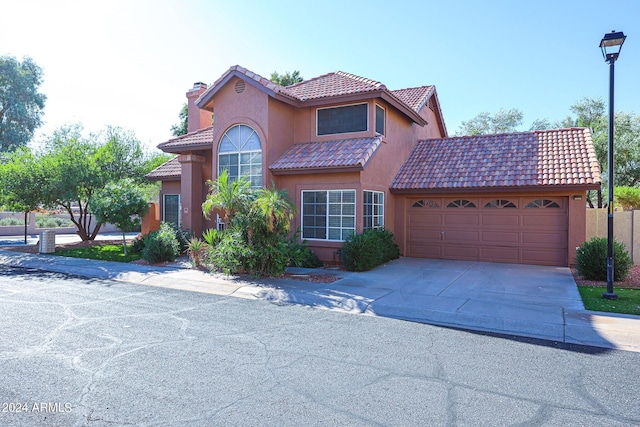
column 164, row 178
column 401, row 106
column 315, row 170
column 177, row 149
column 205, row 101
column 502, row 189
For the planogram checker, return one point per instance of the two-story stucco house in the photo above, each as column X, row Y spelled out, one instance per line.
column 353, row 155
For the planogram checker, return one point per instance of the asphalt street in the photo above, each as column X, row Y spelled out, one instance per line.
column 89, row 352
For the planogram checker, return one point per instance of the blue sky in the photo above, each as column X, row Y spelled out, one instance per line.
column 129, row 63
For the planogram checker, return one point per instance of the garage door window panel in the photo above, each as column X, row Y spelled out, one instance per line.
column 426, row 203
column 499, row 204
column 461, row 203
column 543, row 204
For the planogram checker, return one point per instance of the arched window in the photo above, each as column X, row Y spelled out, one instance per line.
column 542, row 203
column 240, row 153
column 461, row 203
column 500, row 203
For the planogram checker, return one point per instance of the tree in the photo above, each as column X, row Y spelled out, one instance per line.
column 542, row 124
column 275, row 207
column 229, row 196
column 592, row 113
column 21, row 181
column 77, row 167
column 120, row 203
column 182, row 128
column 21, row 104
column 286, row 79
column 504, row 121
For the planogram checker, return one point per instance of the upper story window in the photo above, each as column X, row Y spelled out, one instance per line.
column 344, row 119
column 380, row 120
column 240, row 153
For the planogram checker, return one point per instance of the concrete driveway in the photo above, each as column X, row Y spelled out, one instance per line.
column 505, row 298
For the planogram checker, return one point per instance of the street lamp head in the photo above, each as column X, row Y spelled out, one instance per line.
column 611, row 44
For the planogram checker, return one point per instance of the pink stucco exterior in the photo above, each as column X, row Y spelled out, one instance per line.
column 285, row 119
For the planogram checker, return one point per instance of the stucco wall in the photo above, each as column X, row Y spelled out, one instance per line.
column 626, row 228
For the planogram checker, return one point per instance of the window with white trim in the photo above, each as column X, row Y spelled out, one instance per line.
column 328, row 214
column 373, row 209
column 171, row 209
column 343, row 119
column 240, row 153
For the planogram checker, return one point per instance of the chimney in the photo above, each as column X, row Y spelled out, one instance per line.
column 197, row 118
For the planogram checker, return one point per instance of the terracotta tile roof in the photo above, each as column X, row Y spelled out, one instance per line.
column 166, row 171
column 414, row 97
column 196, row 140
column 352, row 154
column 333, row 84
column 541, row 158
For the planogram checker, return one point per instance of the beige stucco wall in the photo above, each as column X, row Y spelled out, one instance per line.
column 626, row 228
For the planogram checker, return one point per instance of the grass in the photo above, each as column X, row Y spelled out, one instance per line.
column 102, row 252
column 628, row 301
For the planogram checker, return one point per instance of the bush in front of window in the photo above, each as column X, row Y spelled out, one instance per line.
column 591, row 260
column 362, row 252
column 299, row 253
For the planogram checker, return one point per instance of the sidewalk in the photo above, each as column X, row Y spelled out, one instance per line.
column 464, row 295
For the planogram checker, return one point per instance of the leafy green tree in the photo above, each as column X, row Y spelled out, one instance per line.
column 503, row 121
column 77, row 167
column 286, row 79
column 628, row 197
column 542, row 124
column 21, row 104
column 120, row 203
column 21, row 181
column 182, row 128
column 592, row 113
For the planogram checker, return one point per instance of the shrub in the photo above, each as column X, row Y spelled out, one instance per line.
column 138, row 244
column 300, row 255
column 52, row 222
column 627, row 197
column 11, row 221
column 591, row 260
column 161, row 245
column 198, row 251
column 211, row 236
column 183, row 236
column 362, row 252
column 231, row 255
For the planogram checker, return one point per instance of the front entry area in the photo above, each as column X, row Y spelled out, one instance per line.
column 512, row 229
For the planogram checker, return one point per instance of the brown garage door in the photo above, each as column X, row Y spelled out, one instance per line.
column 522, row 230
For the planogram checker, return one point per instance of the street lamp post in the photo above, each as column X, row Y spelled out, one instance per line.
column 611, row 44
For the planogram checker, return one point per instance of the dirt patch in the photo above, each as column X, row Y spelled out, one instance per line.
column 631, row 282
column 316, row 278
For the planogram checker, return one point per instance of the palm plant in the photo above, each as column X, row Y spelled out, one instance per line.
column 276, row 207
column 228, row 196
